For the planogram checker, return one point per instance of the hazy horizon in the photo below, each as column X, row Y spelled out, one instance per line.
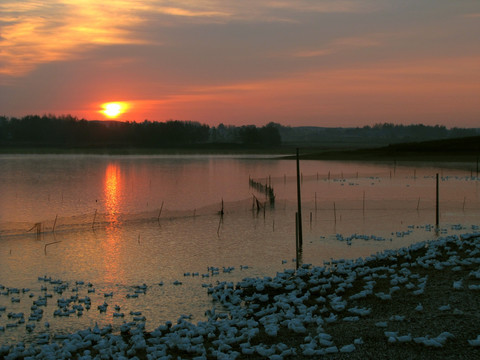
column 297, row 63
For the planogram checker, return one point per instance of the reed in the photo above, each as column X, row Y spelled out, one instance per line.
column 94, row 217
column 55, row 223
column 160, row 212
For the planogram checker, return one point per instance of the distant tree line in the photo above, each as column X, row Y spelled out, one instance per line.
column 379, row 133
column 61, row 131
column 51, row 130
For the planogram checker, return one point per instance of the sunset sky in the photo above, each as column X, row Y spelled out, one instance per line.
column 294, row 62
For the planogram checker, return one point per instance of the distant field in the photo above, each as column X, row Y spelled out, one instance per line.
column 459, row 149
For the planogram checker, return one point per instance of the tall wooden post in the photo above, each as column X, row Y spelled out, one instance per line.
column 437, row 208
column 297, row 257
column 299, row 200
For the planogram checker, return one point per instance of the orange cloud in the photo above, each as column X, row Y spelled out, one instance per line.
column 37, row 33
column 442, row 87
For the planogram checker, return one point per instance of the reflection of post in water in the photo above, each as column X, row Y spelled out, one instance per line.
column 221, row 212
column 55, row 241
column 298, row 244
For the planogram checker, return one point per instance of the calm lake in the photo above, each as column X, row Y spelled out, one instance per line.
column 109, row 227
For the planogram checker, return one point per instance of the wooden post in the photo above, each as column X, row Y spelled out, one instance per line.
column 160, row 212
column 55, row 223
column 296, row 239
column 437, row 208
column 299, row 201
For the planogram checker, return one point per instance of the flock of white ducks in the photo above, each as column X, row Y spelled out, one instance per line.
column 290, row 315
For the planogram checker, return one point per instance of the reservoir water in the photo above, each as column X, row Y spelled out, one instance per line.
column 145, row 232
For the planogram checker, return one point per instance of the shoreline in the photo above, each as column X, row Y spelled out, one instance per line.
column 397, row 304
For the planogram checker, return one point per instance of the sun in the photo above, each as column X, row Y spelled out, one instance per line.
column 113, row 109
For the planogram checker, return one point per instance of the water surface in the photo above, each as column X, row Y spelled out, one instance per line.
column 118, row 222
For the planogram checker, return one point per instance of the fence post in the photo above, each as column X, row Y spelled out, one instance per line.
column 437, row 207
column 299, row 200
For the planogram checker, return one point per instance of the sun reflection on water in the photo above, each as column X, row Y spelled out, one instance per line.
column 112, row 191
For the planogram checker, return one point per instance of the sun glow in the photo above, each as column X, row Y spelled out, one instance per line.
column 113, row 109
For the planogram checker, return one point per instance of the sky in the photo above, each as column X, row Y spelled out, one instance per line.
column 294, row 62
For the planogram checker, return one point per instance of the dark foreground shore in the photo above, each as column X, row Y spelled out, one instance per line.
column 420, row 302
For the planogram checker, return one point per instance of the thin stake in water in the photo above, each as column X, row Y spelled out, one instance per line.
column 334, row 213
column 55, row 223
column 437, row 208
column 160, row 212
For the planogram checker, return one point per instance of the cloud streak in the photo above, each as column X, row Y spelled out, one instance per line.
column 249, row 61
column 37, row 33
